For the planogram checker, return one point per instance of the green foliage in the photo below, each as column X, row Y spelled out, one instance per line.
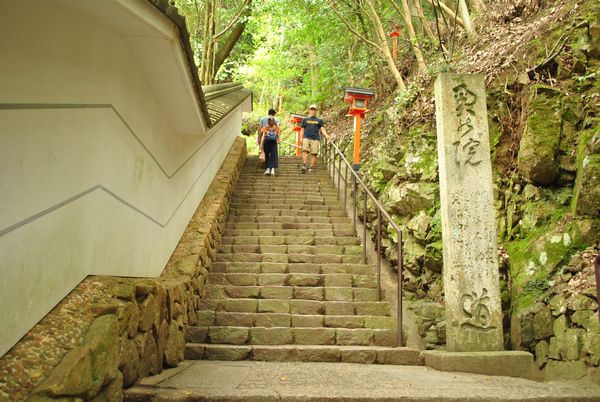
column 301, row 53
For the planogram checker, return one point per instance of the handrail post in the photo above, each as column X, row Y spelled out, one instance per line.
column 400, row 266
column 379, row 253
column 597, row 272
column 339, row 176
column 354, row 198
column 365, row 226
column 333, row 167
column 345, row 187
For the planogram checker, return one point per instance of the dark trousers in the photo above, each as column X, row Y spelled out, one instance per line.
column 270, row 147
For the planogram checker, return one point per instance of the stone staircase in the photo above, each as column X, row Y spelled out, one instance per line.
column 290, row 282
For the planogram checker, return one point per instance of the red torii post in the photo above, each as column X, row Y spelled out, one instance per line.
column 358, row 98
column 296, row 121
column 395, row 34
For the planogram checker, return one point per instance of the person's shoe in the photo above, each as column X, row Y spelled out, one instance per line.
column 267, row 172
column 310, row 169
column 272, row 171
column 303, row 170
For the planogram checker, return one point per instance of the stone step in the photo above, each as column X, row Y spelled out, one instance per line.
column 277, row 193
column 286, row 176
column 321, row 293
column 223, row 318
column 295, row 306
column 305, row 353
column 291, row 268
column 306, row 198
column 291, row 229
column 231, row 335
column 258, row 183
column 292, row 169
column 299, row 207
column 291, row 249
column 292, row 258
column 288, row 225
column 241, row 238
column 276, row 211
column 283, row 218
column 296, row 279
column 275, row 201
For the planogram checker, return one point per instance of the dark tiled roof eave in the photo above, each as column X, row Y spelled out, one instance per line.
column 227, row 98
column 220, row 106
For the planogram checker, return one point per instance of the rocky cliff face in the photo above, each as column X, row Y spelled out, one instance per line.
column 543, row 109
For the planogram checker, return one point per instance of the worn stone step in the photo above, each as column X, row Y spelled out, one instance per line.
column 321, row 293
column 294, row 279
column 291, row 249
column 245, row 237
column 281, row 183
column 295, row 306
column 269, row 210
column 284, row 186
column 288, row 225
column 286, row 177
column 251, row 205
column 306, row 198
column 290, row 229
column 292, row 258
column 305, row 353
column 275, row 201
column 282, row 218
column 224, row 318
column 274, row 210
column 231, row 335
column 290, row 268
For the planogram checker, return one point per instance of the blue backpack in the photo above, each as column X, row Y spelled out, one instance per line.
column 271, row 135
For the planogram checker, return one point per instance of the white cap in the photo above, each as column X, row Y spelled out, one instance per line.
column 313, row 106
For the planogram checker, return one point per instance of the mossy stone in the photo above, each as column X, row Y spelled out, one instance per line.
column 103, row 340
column 581, row 302
column 573, row 370
column 586, row 195
column 541, row 352
column 538, row 150
column 542, row 323
column 573, row 343
column 582, row 317
column 559, row 326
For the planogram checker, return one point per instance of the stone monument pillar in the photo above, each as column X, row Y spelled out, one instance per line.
column 471, row 282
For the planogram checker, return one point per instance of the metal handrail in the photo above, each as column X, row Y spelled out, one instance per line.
column 330, row 154
column 597, row 273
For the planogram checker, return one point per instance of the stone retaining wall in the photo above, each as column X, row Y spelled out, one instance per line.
column 141, row 327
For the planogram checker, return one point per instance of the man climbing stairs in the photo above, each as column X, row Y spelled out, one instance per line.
column 290, row 282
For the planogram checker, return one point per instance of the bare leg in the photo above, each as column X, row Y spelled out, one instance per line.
column 304, row 156
column 313, row 160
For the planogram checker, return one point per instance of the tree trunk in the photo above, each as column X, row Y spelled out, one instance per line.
column 413, row 37
column 232, row 38
column 208, row 45
column 384, row 47
column 448, row 12
column 464, row 14
column 423, row 20
column 205, row 42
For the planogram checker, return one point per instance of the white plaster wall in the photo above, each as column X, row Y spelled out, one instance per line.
column 96, row 175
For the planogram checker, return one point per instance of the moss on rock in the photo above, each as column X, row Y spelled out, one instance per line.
column 537, row 160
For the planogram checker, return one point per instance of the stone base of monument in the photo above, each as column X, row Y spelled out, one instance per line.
column 506, row 363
